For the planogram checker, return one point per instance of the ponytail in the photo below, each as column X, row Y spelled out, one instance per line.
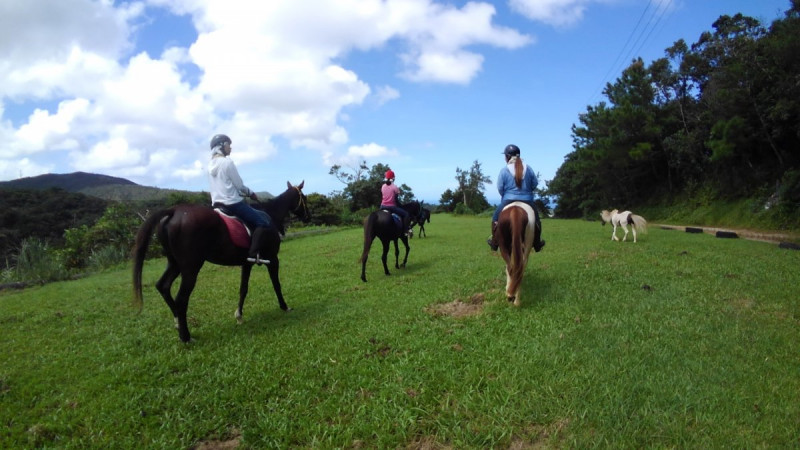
column 519, row 171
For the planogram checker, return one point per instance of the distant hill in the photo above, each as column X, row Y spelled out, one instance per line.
column 71, row 182
column 96, row 185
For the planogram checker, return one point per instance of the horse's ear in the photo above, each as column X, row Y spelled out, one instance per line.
column 300, row 186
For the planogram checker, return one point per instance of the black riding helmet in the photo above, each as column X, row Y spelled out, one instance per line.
column 511, row 150
column 219, row 140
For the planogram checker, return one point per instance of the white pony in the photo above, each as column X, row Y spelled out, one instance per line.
column 624, row 219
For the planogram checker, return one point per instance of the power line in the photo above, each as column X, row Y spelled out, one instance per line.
column 640, row 32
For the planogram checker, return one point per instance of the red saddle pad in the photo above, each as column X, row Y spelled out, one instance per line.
column 240, row 235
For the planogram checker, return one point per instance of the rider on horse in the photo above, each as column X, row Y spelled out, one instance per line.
column 389, row 194
column 227, row 192
column 516, row 183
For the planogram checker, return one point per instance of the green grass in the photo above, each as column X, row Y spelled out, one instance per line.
column 681, row 340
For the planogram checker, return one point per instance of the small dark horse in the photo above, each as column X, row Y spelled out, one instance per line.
column 424, row 216
column 194, row 234
column 381, row 224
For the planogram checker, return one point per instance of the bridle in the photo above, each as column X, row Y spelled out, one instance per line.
column 301, row 202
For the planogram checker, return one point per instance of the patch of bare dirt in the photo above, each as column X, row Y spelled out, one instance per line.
column 753, row 235
column 232, row 442
column 459, row 308
column 427, row 443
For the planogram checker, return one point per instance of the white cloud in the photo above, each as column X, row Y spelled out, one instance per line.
column 558, row 13
column 386, row 94
column 111, row 154
column 22, row 168
column 262, row 72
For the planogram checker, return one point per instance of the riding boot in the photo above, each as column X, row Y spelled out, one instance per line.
column 492, row 241
column 538, row 243
column 406, row 228
column 256, row 243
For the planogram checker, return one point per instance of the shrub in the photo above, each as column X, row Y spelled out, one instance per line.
column 36, row 261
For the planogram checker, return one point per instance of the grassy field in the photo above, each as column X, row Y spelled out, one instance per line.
column 682, row 340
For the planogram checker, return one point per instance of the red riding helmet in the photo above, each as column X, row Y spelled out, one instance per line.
column 389, row 175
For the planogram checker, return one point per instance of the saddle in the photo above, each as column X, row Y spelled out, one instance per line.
column 238, row 231
column 398, row 221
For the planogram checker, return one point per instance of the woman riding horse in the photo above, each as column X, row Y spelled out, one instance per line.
column 389, row 194
column 227, row 192
column 516, row 183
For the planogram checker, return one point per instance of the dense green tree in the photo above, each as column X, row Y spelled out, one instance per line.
column 722, row 114
column 363, row 186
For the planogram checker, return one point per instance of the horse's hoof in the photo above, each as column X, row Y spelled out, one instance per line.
column 364, row 279
column 511, row 299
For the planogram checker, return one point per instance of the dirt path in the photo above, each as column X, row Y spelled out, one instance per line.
column 764, row 236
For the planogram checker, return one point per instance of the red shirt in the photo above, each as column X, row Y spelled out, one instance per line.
column 388, row 193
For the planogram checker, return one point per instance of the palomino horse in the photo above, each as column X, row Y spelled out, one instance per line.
column 381, row 224
column 194, row 234
column 623, row 219
column 515, row 232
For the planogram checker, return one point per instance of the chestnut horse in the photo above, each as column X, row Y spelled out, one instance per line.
column 515, row 232
column 194, row 234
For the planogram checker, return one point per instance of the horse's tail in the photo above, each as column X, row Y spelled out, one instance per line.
column 369, row 235
column 516, row 267
column 638, row 222
column 139, row 251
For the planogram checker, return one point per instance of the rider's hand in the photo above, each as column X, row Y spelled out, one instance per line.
column 254, row 197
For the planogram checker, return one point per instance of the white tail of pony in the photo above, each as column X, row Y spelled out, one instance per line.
column 639, row 223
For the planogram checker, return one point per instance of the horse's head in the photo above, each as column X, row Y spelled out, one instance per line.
column 606, row 216
column 301, row 210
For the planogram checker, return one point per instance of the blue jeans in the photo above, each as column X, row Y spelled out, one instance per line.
column 254, row 218
column 397, row 210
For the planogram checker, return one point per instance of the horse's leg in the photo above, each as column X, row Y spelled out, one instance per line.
column 188, row 281
column 614, row 233
column 243, row 287
column 633, row 230
column 625, row 229
column 273, row 269
column 384, row 255
column 364, row 257
column 397, row 254
column 164, row 287
column 405, row 242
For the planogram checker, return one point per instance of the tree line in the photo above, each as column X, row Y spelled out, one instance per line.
column 718, row 118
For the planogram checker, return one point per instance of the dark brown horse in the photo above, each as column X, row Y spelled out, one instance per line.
column 380, row 224
column 194, row 234
column 515, row 234
column 424, row 216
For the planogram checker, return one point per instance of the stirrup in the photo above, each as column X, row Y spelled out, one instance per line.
column 257, row 260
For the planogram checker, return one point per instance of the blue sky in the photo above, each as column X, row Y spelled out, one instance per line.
column 136, row 89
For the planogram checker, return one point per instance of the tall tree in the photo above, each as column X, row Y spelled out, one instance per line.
column 363, row 185
column 471, row 185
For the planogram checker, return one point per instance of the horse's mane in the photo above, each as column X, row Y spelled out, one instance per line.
column 281, row 203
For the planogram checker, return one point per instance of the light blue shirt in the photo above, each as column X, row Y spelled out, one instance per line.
column 507, row 187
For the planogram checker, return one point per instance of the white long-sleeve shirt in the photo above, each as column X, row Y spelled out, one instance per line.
column 226, row 184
